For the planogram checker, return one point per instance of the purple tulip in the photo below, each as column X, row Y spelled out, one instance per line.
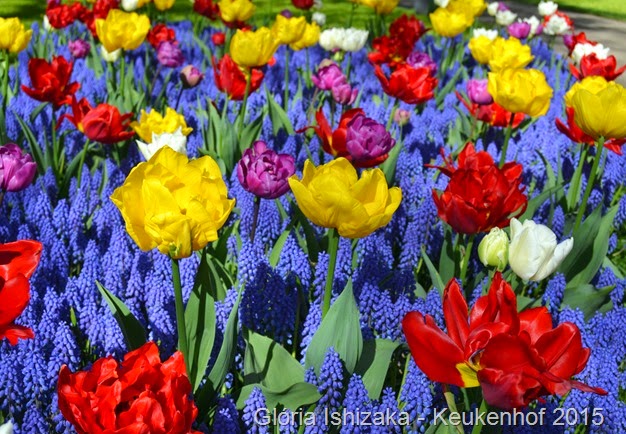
column 502, row 7
column 169, row 54
column 286, row 13
column 367, row 141
column 79, row 48
column 191, row 76
column 17, row 169
column 477, row 92
column 328, row 76
column 344, row 94
column 417, row 59
column 519, row 30
column 263, row 172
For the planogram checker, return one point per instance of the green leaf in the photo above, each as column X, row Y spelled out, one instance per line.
column 33, row 143
column 374, row 364
column 389, row 166
column 537, row 201
column 200, row 322
column 293, row 397
column 340, row 329
column 434, row 274
column 250, row 133
column 266, row 362
column 591, row 243
column 279, row 118
column 134, row 333
column 448, row 263
column 587, row 298
column 278, row 247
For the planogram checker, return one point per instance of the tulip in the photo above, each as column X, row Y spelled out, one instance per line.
column 492, row 8
column 585, row 49
column 333, row 196
column 519, row 30
column 79, row 48
column 112, row 56
column 557, row 24
column 535, row 25
column 218, row 38
column 407, row 29
column 190, row 76
column 232, row 81
column 449, row 23
column 591, row 65
column 490, row 34
column 265, row 173
column 50, row 81
column 17, row 169
column 253, row 49
column 546, row 8
column 334, row 142
column 328, row 75
column 319, row 18
column 236, row 11
column 493, row 250
column 442, row 3
column 521, row 91
column 303, row 4
column 18, row 261
column 533, row 252
column 102, row 123
column 170, row 55
column 160, row 33
column 381, row 7
column 411, row 85
column 344, row 94
column 154, row 122
column 599, row 107
column 60, row 16
column 480, row 195
column 571, row 40
column 477, row 92
column 164, row 5
column 401, row 117
column 288, row 30
column 6, row 428
column 417, row 59
column 505, row 17
column 176, row 140
column 125, row 30
column 492, row 114
column 343, row 39
column 509, row 53
column 309, row 38
column 14, row 38
column 367, row 142
column 514, row 357
column 575, row 134
column 139, row 395
column 207, row 9
column 481, row 47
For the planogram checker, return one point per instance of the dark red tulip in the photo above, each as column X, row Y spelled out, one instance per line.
column 50, row 81
column 103, row 123
column 207, row 9
column 62, row 15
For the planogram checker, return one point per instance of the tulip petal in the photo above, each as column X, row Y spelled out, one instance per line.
column 455, row 313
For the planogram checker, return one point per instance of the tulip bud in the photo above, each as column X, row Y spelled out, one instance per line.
column 263, row 172
column 519, row 30
column 191, row 76
column 344, row 94
column 169, row 54
column 303, row 4
column 17, row 169
column 319, row 18
column 533, row 252
column 493, row 250
column 110, row 56
column 477, row 92
column 401, row 117
column 218, row 38
column 286, row 13
column 328, row 75
column 79, row 48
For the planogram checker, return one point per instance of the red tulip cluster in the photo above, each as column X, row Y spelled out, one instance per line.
column 62, row 15
column 230, row 79
column 394, row 48
column 480, row 195
column 50, row 81
column 160, row 33
column 590, row 64
column 142, row 395
column 18, row 261
column 514, row 357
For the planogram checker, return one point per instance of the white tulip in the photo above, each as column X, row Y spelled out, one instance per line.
column 556, row 25
column 7, row 428
column 319, row 18
column 533, row 252
column 547, row 8
column 48, row 27
column 442, row 3
column 330, row 39
column 176, row 140
column 130, row 5
column 581, row 50
column 504, row 18
column 354, row 39
column 492, row 8
column 343, row 39
column 110, row 56
column 489, row 34
column 534, row 24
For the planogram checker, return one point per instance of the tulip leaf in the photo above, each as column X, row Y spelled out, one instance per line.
column 537, row 201
column 279, row 118
column 250, row 133
column 587, row 298
column 341, row 329
column 374, row 364
column 278, row 247
column 134, row 333
column 294, row 397
column 389, row 166
column 591, row 244
column 200, row 321
column 434, row 274
column 448, row 261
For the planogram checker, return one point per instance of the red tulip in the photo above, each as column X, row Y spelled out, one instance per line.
column 230, row 79
column 334, row 142
column 62, row 15
column 493, row 113
column 389, row 50
column 411, row 85
column 591, row 65
column 407, row 29
column 50, row 81
column 571, row 40
column 480, row 195
column 18, row 261
column 160, row 33
column 515, row 358
column 303, row 4
column 141, row 395
column 575, row 134
column 218, row 38
column 207, row 8
column 102, row 123
column 100, row 10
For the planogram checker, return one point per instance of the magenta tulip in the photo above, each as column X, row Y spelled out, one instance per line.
column 263, row 172
column 17, row 169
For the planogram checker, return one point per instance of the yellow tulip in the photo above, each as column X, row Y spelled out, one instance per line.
column 451, row 22
column 509, row 53
column 236, row 10
column 381, row 7
column 164, row 5
column 121, row 29
column 288, row 30
column 253, row 49
column 475, row 8
column 309, row 38
column 174, row 204
column 481, row 48
column 333, row 196
column 153, row 122
column 599, row 107
column 521, row 91
column 13, row 37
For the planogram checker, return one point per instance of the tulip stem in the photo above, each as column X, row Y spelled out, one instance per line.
column 286, row 90
column 83, row 154
column 5, row 98
column 507, row 138
column 451, row 404
column 242, row 110
column 466, row 257
column 479, row 425
column 255, row 217
column 180, row 311
column 180, row 93
column 333, row 246
column 590, row 183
